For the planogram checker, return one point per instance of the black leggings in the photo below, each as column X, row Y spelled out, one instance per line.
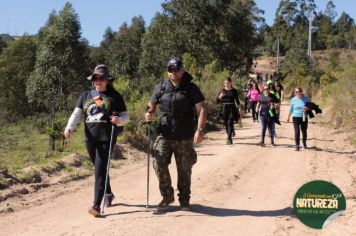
column 298, row 121
column 99, row 153
column 229, row 126
column 253, row 108
column 246, row 107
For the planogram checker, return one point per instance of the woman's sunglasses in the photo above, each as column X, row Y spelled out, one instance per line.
column 98, row 78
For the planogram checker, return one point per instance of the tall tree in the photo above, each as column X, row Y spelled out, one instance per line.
column 296, row 57
column 324, row 29
column 16, row 64
column 330, row 11
column 158, row 44
column 207, row 30
column 287, row 10
column 126, row 48
column 61, row 63
column 344, row 23
column 2, row 45
column 343, row 27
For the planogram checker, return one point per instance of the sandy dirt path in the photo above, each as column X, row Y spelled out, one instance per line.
column 241, row 189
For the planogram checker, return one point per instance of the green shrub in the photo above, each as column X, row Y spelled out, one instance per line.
column 327, row 79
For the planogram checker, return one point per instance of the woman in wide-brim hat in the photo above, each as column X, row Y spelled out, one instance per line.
column 102, row 107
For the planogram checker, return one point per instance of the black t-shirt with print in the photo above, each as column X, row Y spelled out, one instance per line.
column 97, row 113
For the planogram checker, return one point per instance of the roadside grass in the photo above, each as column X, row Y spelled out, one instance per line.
column 22, row 145
column 353, row 141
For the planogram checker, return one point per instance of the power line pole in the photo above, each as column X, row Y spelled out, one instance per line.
column 277, row 53
column 310, row 40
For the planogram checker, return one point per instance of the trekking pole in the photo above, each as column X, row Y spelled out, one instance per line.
column 109, row 158
column 148, row 163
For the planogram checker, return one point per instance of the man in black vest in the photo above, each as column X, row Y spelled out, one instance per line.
column 181, row 104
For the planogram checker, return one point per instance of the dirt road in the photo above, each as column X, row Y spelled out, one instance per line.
column 242, row 189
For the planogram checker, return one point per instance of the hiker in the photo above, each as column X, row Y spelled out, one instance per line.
column 247, row 87
column 254, row 95
column 279, row 92
column 298, row 109
column 272, row 90
column 102, row 107
column 181, row 103
column 228, row 97
column 265, row 108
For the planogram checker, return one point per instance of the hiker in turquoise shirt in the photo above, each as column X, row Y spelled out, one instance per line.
column 298, row 110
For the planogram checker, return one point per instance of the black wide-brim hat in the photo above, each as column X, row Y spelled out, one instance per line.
column 102, row 71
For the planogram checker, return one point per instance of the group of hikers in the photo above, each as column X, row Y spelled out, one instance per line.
column 182, row 118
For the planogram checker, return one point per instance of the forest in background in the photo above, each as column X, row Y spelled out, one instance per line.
column 42, row 75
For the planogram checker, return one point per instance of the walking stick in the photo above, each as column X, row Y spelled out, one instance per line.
column 148, row 163
column 108, row 165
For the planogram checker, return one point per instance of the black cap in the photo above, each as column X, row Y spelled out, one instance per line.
column 174, row 64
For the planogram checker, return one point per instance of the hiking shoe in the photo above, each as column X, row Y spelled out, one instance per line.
column 165, row 202
column 185, row 206
column 229, row 141
column 108, row 199
column 297, row 148
column 94, row 211
column 261, row 144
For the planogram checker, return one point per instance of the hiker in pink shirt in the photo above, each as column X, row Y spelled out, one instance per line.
column 253, row 96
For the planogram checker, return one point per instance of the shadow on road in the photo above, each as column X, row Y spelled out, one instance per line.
column 330, row 150
column 206, row 210
column 224, row 212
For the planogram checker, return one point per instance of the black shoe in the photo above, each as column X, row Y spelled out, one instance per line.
column 94, row 211
column 297, row 148
column 273, row 145
column 185, row 206
column 108, row 199
column 261, row 144
column 229, row 141
column 165, row 202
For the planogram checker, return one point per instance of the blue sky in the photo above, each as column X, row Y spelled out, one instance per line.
column 20, row 16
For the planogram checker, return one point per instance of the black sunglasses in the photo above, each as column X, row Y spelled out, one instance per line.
column 173, row 69
column 98, row 78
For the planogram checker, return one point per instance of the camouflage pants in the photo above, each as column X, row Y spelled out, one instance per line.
column 185, row 157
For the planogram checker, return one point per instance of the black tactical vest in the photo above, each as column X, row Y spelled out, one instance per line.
column 177, row 111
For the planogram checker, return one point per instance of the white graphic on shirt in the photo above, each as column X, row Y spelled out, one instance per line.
column 96, row 113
